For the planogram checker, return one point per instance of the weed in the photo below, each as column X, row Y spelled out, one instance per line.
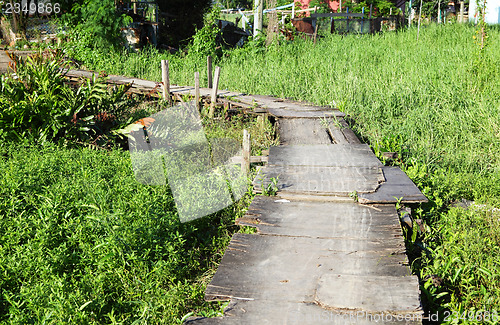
column 354, row 195
column 271, row 188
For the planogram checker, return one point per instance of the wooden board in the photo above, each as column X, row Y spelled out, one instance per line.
column 279, row 103
column 332, row 155
column 335, row 131
column 347, row 132
column 264, row 312
column 395, row 295
column 319, row 180
column 296, row 113
column 273, row 105
column 283, row 268
column 302, row 131
column 396, row 186
column 272, row 216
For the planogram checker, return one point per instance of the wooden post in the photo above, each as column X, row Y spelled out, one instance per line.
column 214, row 92
column 257, row 20
column 315, row 32
column 165, row 80
column 347, row 11
column 135, row 7
column 462, row 8
column 363, row 19
column 410, row 11
column 419, row 18
column 245, row 161
column 439, row 11
column 209, row 71
column 293, row 11
column 197, row 89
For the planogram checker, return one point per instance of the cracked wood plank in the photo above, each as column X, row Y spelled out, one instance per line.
column 332, row 155
column 397, row 186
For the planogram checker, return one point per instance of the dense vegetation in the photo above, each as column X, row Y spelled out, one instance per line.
column 435, row 101
column 81, row 241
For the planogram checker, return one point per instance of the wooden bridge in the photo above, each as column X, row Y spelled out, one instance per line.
column 318, row 255
column 329, row 247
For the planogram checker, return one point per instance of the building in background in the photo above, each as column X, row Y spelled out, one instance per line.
column 333, row 5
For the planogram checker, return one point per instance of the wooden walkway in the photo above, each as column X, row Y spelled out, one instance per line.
column 329, row 247
column 319, row 257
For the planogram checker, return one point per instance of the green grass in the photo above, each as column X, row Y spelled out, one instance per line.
column 435, row 101
column 82, row 242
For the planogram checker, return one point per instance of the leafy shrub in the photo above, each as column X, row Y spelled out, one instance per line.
column 37, row 105
column 96, row 24
column 205, row 39
column 465, row 264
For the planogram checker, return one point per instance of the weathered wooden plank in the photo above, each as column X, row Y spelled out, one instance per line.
column 285, row 112
column 265, row 312
column 319, row 180
column 347, row 132
column 288, row 268
column 274, row 102
column 335, row 131
column 302, row 131
column 321, row 219
column 397, row 186
column 268, row 103
column 332, row 155
column 253, row 159
column 371, row 293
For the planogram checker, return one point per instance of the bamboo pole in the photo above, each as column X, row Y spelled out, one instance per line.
column 257, row 20
column 214, row 92
column 439, row 11
column 165, row 80
column 197, row 89
column 245, row 162
column 419, row 18
column 462, row 9
column 209, row 71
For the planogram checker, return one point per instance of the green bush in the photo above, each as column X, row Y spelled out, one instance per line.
column 37, row 105
column 95, row 24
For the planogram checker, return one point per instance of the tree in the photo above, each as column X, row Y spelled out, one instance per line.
column 96, row 23
column 181, row 19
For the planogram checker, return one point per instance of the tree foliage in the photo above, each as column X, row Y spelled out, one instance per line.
column 96, row 23
column 181, row 19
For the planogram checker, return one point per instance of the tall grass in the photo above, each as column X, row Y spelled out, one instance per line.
column 424, row 92
column 429, row 101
